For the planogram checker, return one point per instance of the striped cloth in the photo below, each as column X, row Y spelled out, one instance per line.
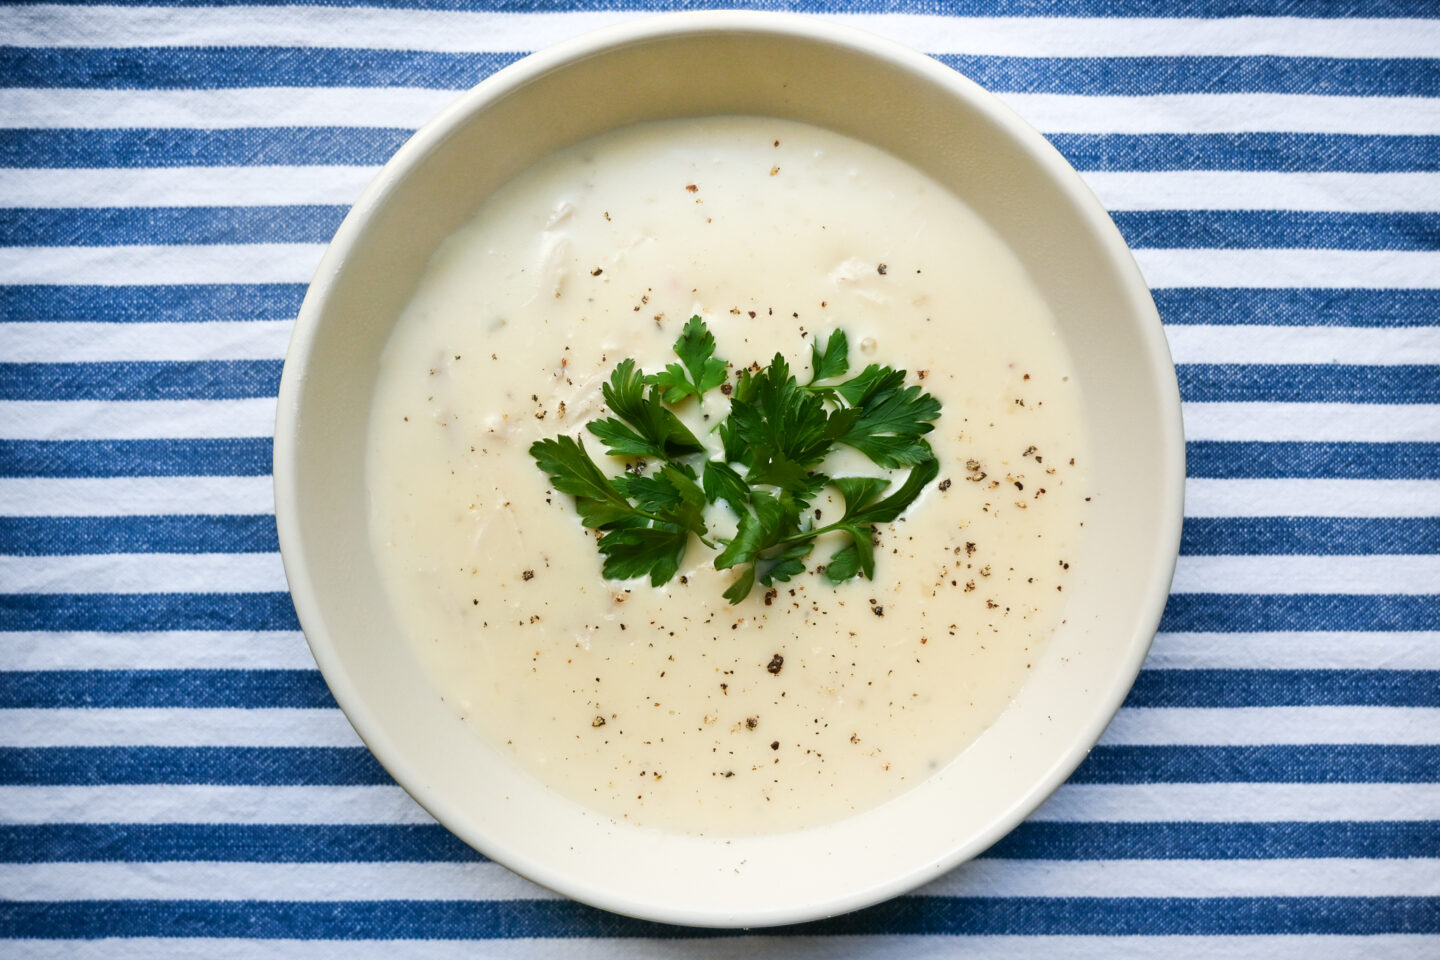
column 173, row 772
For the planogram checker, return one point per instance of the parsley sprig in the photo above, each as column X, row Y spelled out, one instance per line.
column 773, row 441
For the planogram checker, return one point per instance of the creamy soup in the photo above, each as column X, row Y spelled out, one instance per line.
column 668, row 706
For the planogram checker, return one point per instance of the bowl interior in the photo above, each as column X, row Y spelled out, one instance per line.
column 856, row 85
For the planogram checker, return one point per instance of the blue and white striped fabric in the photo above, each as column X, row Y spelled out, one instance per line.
column 174, row 777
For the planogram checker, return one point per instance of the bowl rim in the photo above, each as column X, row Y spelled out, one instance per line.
column 671, row 26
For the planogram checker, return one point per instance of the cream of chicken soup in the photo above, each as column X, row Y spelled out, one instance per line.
column 668, row 705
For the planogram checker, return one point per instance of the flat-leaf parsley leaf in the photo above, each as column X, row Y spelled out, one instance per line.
column 698, row 372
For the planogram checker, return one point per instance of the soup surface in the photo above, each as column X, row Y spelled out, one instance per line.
column 664, row 705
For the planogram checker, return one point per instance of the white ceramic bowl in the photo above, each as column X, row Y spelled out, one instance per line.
column 856, row 84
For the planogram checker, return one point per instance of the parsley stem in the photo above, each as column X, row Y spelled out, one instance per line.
column 808, row 534
column 659, row 519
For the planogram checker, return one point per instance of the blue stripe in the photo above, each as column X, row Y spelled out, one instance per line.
column 238, row 379
column 250, row 456
column 1284, row 688
column 1309, row 536
column 1186, row 612
column 141, row 380
column 567, row 920
column 1304, row 307
column 125, row 612
column 178, row 303
column 223, row 457
column 119, row 226
column 151, row 68
column 972, row 8
column 255, row 533
column 1230, row 459
column 237, row 766
column 1285, row 152
column 281, row 301
column 1309, row 763
column 1267, row 229
column 211, row 68
column 164, row 147
column 366, row 146
column 1254, row 613
column 246, row 843
column 431, row 843
column 1309, row 383
column 294, row 689
column 1143, row 229
column 193, row 689
column 1276, row 840
column 1148, row 76
column 202, row 533
column 354, row 766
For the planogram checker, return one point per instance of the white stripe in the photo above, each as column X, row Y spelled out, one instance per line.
column 1404, row 574
column 405, row 107
column 1226, row 113
column 1239, row 802
column 296, row 263
column 1331, row 650
column 277, row 727
column 409, row 107
column 265, row 881
column 134, row 496
column 1143, row 36
column 144, row 573
column 176, row 727
column 184, row 186
column 252, row 572
column 100, row 342
column 1200, row 802
column 1271, row 269
column 1399, row 946
column 1254, row 726
column 281, row 649
column 1205, row 497
column 1189, row 878
column 450, row 31
column 472, row 881
column 177, row 803
column 135, row 419
column 161, row 650
column 1197, row 343
column 1118, row 190
column 376, row 29
column 1265, row 190
column 1312, row 422
column 212, row 263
